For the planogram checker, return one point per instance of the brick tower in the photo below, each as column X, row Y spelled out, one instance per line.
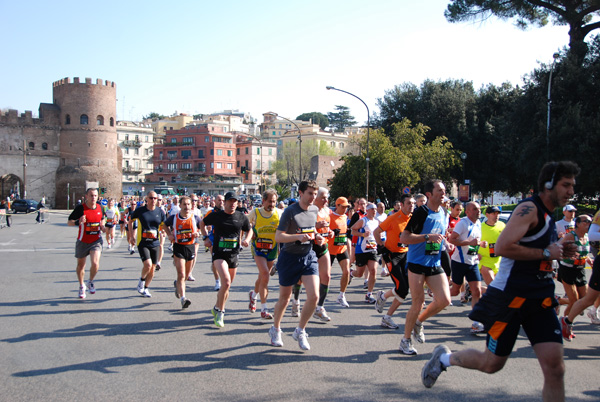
column 88, row 138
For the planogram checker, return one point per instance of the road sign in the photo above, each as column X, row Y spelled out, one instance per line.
column 406, row 190
column 104, row 202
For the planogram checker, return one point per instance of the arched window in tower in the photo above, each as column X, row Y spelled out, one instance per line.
column 68, row 119
column 45, row 146
column 100, row 120
column 83, row 120
column 31, row 145
column 112, row 122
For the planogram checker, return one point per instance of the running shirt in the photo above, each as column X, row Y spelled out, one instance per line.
column 112, row 216
column 338, row 224
column 355, row 218
column 563, row 227
column 323, row 215
column 393, row 226
column 530, row 279
column 184, row 229
column 89, row 232
column 226, row 230
column 367, row 244
column 296, row 220
column 488, row 255
column 426, row 221
column 467, row 230
column 264, row 228
column 381, row 217
column 583, row 249
column 148, row 225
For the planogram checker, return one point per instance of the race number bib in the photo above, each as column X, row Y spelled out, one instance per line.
column 432, row 248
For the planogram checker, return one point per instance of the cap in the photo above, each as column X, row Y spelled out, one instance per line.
column 231, row 195
column 492, row 209
column 343, row 201
column 569, row 208
column 371, row 206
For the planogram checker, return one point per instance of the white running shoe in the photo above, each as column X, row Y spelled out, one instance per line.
column 302, row 338
column 146, row 293
column 275, row 335
column 185, row 303
column 191, row 278
column 91, row 287
column 217, row 285
column 477, row 327
column 82, row 292
column 418, row 333
column 593, row 317
column 380, row 301
column 295, row 308
column 406, row 347
column 434, row 367
column 342, row 301
column 140, row 286
column 366, row 284
column 322, row 315
column 387, row 322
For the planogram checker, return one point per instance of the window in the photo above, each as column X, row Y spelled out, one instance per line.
column 274, row 133
column 99, row 120
column 171, row 155
column 173, row 140
column 83, row 120
column 186, row 166
column 146, row 138
column 238, row 151
column 146, row 151
column 270, row 151
column 332, row 144
column 219, row 165
column 257, row 150
column 207, row 139
column 68, row 119
column 219, row 152
column 136, row 151
column 270, row 165
column 137, row 137
column 45, row 146
column 201, row 153
column 230, row 166
column 171, row 166
column 238, row 164
column 246, row 150
column 188, row 140
column 112, row 122
column 229, row 152
column 186, row 154
column 280, row 126
column 201, row 167
column 246, row 163
column 212, row 151
column 31, row 145
column 160, row 155
column 212, row 165
column 126, row 137
column 126, row 151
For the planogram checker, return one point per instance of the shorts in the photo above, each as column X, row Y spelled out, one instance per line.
column 363, row 258
column 110, row 225
column 398, row 275
column 147, row 253
column 292, row 267
column 461, row 271
column 340, row 257
column 595, row 278
column 424, row 270
column 320, row 251
column 572, row 275
column 502, row 316
column 184, row 251
column 230, row 258
column 446, row 262
column 270, row 255
column 82, row 249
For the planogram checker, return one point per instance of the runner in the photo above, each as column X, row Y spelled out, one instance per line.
column 264, row 222
column 218, row 206
column 366, row 250
column 338, row 245
column 297, row 261
column 149, row 219
column 566, row 224
column 198, row 214
column 111, row 215
column 183, row 229
column 322, row 252
column 88, row 216
column 522, row 294
column 489, row 261
column 227, row 225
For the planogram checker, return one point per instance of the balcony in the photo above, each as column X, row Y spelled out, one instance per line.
column 131, row 170
column 132, row 143
column 179, row 144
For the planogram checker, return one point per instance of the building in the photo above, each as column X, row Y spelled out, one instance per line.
column 72, row 145
column 136, row 141
column 256, row 157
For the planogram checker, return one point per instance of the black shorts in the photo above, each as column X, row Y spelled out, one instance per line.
column 363, row 258
column 340, row 257
column 595, row 278
column 147, row 253
column 398, row 261
column 230, row 258
column 446, row 265
column 424, row 270
column 572, row 275
column 320, row 251
column 184, row 251
column 502, row 316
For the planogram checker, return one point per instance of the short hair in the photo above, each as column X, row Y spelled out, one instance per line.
column 428, row 187
column 403, row 198
column 306, row 184
column 552, row 172
column 581, row 217
column 419, row 196
column 184, row 198
column 91, row 189
column 454, row 203
column 269, row 193
column 323, row 190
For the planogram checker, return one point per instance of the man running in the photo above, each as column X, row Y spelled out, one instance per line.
column 149, row 219
column 218, row 206
column 522, row 294
column 90, row 219
column 489, row 261
column 111, row 214
column 322, row 252
column 366, row 250
column 227, row 225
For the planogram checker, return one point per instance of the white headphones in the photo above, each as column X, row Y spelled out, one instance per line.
column 550, row 184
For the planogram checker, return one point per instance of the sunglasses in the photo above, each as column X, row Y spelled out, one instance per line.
column 153, row 198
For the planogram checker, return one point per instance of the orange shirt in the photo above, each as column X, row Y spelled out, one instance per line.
column 323, row 215
column 394, row 225
column 337, row 243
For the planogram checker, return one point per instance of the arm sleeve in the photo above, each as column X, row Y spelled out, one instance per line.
column 594, row 232
column 77, row 213
column 170, row 220
column 417, row 220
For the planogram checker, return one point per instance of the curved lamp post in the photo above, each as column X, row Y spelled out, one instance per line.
column 368, row 130
column 554, row 56
column 299, row 142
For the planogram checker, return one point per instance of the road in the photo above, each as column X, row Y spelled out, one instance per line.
column 117, row 345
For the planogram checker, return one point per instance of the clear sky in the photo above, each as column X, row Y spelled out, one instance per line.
column 256, row 56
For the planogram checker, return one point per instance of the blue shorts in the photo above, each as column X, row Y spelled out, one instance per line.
column 292, row 267
column 461, row 271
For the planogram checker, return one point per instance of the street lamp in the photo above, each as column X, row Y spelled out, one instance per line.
column 368, row 129
column 299, row 141
column 554, row 56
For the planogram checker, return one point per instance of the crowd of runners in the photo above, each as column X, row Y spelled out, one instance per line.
column 506, row 271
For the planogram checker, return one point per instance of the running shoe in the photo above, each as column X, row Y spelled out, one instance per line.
column 370, row 299
column 566, row 329
column 407, row 348
column 322, row 315
column 429, row 292
column 266, row 315
column 477, row 327
column 434, row 367
column 295, row 308
column 380, row 301
column 217, row 285
column 108, row 246
column 385, row 272
column 218, row 317
column 351, row 276
column 387, row 322
column 146, row 293
column 176, row 291
column 191, row 278
column 82, row 292
column 91, row 287
column 157, row 268
column 252, row 304
column 131, row 251
column 275, row 335
column 593, row 317
column 302, row 338
column 273, row 270
column 140, row 286
column 463, row 299
column 366, row 284
column 342, row 301
column 418, row 333
column 468, row 294
column 185, row 303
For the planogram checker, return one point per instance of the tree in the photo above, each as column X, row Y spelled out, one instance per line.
column 341, row 118
column 287, row 167
column 154, row 116
column 577, row 14
column 316, row 117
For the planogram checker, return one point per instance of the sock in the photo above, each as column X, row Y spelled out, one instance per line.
column 182, row 298
column 264, row 307
column 217, row 281
column 567, row 321
column 418, row 323
column 297, row 291
column 254, row 295
column 386, row 316
column 323, row 290
column 445, row 359
column 342, row 293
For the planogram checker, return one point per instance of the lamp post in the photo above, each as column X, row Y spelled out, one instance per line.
column 299, row 143
column 368, row 130
column 554, row 56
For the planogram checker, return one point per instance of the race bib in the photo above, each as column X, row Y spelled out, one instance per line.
column 92, row 228
column 264, row 244
column 492, row 247
column 432, row 248
column 370, row 244
column 309, row 231
column 150, row 234
column 340, row 240
column 228, row 244
column 473, row 250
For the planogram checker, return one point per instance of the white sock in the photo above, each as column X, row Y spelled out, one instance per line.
column 386, row 316
column 445, row 359
column 343, row 294
column 264, row 306
column 254, row 295
column 217, row 282
column 418, row 323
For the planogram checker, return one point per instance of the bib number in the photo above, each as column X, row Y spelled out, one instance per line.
column 432, row 248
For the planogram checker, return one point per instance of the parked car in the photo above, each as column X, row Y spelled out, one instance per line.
column 26, row 206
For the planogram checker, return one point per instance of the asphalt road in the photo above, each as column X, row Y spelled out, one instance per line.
column 117, row 345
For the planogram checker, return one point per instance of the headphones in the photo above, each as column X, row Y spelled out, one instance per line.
column 550, row 184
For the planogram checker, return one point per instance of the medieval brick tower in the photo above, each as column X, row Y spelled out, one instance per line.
column 88, row 138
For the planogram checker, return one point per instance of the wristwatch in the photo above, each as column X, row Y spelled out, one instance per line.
column 546, row 254
column 426, row 237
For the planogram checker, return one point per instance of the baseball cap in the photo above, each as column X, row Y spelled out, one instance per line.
column 569, row 208
column 343, row 201
column 492, row 209
column 231, row 195
column 371, row 206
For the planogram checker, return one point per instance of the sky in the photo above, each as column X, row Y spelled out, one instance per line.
column 260, row 56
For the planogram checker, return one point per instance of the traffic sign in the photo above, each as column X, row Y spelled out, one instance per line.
column 406, row 190
column 104, row 202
